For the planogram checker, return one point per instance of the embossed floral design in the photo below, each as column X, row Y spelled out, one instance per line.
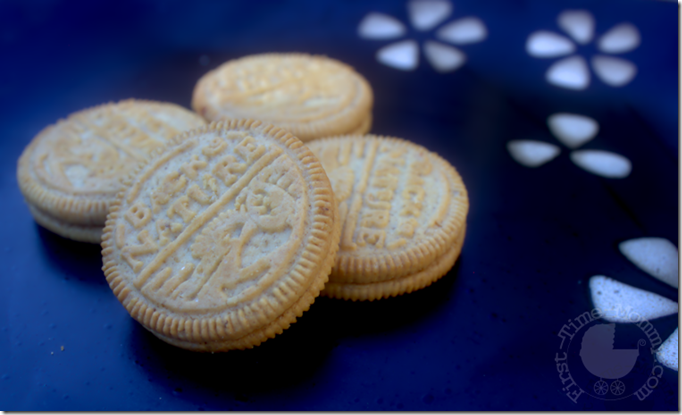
column 572, row 130
column 572, row 71
column 260, row 208
column 424, row 15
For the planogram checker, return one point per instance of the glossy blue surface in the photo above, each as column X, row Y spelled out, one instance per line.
column 483, row 337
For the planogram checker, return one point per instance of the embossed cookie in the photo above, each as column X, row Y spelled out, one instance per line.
column 224, row 238
column 71, row 171
column 309, row 96
column 403, row 212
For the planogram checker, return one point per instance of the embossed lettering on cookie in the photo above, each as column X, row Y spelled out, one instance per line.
column 223, row 238
column 71, row 171
column 403, row 212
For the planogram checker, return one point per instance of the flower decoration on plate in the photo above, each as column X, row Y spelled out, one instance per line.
column 424, row 15
column 572, row 71
column 622, row 303
column 572, row 130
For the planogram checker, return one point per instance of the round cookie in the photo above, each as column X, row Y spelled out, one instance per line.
column 403, row 211
column 309, row 96
column 71, row 171
column 223, row 238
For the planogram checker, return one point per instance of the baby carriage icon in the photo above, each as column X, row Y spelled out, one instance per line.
column 605, row 362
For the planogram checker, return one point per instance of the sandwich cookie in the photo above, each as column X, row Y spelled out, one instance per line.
column 71, row 171
column 223, row 238
column 402, row 209
column 309, row 96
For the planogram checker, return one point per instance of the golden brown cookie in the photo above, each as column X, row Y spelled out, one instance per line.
column 309, row 96
column 223, row 238
column 71, row 171
column 403, row 211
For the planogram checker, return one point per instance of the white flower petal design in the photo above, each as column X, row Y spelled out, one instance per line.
column 463, row 31
column 622, row 38
column 657, row 257
column 622, row 303
column 614, row 71
column 667, row 354
column 571, row 73
column 602, row 163
column 380, row 26
column 401, row 55
column 544, row 44
column 579, row 24
column 572, row 129
column 426, row 14
column 532, row 153
column 442, row 57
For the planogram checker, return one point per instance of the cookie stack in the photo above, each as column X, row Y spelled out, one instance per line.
column 220, row 236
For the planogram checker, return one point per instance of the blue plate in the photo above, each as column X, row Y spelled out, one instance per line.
column 487, row 336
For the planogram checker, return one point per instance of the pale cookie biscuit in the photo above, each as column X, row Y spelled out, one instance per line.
column 224, row 238
column 401, row 285
column 403, row 212
column 309, row 96
column 71, row 171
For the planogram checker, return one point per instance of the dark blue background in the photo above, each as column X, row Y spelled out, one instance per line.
column 483, row 337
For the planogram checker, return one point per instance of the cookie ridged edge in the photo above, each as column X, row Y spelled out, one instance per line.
column 209, row 334
column 398, row 286
column 89, row 234
column 351, row 123
column 73, row 209
column 351, row 269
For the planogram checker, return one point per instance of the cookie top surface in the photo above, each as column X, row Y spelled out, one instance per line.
column 72, row 169
column 310, row 96
column 227, row 228
column 401, row 206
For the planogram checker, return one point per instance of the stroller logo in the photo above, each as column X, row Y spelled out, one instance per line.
column 593, row 366
column 605, row 362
